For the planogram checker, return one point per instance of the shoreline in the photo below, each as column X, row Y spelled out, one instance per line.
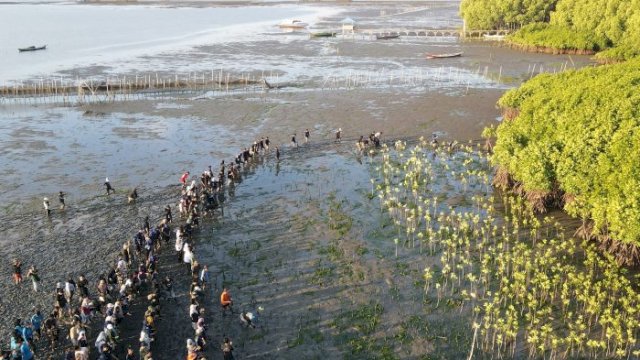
column 547, row 50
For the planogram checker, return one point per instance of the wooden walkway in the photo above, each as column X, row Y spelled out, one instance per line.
column 432, row 32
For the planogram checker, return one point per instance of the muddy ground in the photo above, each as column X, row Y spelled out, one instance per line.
column 300, row 238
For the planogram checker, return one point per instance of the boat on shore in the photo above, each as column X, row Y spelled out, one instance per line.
column 32, row 48
column 293, row 24
column 442, row 56
column 387, row 37
column 324, row 34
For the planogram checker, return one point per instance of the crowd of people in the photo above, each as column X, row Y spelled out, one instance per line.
column 374, row 139
column 79, row 310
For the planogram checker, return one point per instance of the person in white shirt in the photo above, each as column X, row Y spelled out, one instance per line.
column 69, row 290
column 47, row 206
column 179, row 242
column 122, row 267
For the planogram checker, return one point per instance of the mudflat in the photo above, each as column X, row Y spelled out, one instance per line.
column 300, row 238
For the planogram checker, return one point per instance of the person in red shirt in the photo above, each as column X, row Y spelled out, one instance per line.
column 183, row 178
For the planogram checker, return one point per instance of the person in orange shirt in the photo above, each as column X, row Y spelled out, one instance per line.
column 225, row 299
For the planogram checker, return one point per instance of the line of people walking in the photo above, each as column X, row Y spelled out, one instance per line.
column 79, row 311
column 209, row 190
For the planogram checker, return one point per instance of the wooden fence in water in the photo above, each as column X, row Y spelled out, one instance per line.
column 67, row 91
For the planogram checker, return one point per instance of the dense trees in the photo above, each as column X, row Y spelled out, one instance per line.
column 500, row 14
column 557, row 38
column 574, row 139
column 569, row 24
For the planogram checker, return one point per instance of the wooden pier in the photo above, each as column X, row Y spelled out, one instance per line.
column 433, row 32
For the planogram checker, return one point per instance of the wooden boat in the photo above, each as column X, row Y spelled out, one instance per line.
column 442, row 56
column 293, row 24
column 32, row 48
column 323, row 34
column 387, row 37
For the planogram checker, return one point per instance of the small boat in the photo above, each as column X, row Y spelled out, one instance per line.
column 293, row 24
column 442, row 56
column 32, row 48
column 324, row 34
column 387, row 37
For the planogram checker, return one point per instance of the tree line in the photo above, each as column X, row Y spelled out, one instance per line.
column 611, row 27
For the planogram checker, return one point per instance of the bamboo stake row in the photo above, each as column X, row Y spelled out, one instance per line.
column 69, row 91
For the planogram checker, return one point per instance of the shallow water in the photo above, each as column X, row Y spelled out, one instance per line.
column 76, row 150
column 80, row 35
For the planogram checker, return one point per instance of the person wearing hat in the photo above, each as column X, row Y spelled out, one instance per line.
column 107, row 185
column 117, row 312
column 47, row 206
column 111, row 334
column 149, row 324
column 100, row 341
column 192, row 350
column 200, row 338
column 145, row 340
